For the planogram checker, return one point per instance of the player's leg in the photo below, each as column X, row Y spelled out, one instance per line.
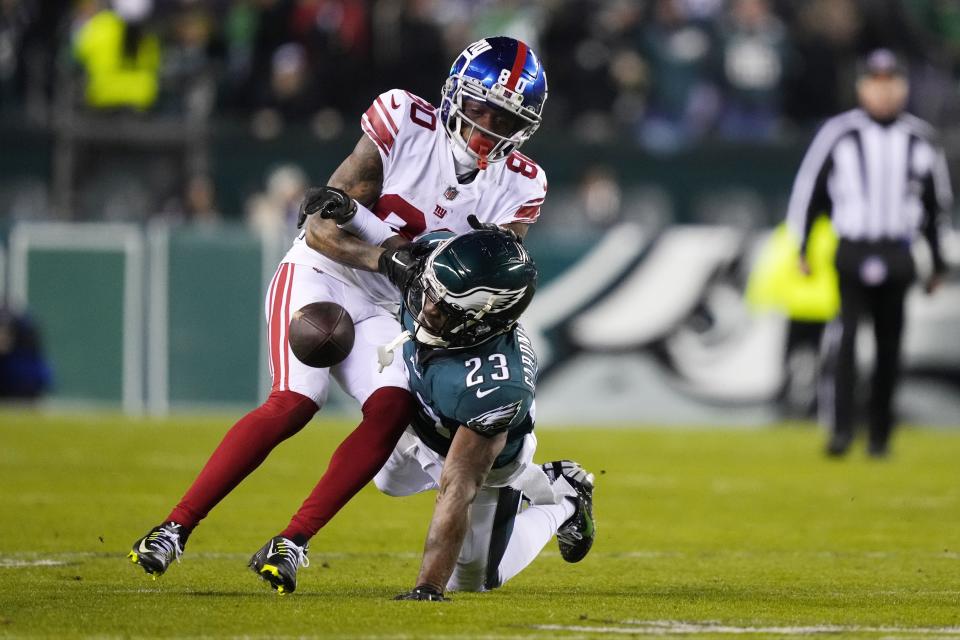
column 492, row 516
column 887, row 302
column 402, row 474
column 297, row 393
column 840, row 362
column 532, row 530
column 503, row 541
column 387, row 408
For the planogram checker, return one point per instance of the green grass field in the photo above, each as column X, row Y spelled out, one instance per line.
column 702, row 533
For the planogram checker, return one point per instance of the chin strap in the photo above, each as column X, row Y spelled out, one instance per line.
column 483, row 311
column 385, row 353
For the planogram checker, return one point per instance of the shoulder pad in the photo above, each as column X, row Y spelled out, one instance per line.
column 393, row 112
column 379, row 122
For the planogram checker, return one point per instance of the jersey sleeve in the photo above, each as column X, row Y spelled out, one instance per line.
column 494, row 412
column 527, row 188
column 384, row 122
column 809, row 191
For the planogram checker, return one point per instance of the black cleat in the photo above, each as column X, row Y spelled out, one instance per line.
column 839, row 445
column 576, row 535
column 878, row 450
column 277, row 563
column 156, row 550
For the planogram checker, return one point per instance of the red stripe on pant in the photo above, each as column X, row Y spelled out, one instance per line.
column 279, row 323
column 286, row 330
column 270, row 297
column 275, row 313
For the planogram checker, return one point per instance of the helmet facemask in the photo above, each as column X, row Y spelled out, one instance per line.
column 444, row 319
column 462, row 130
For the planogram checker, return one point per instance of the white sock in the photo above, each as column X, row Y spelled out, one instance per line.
column 532, row 530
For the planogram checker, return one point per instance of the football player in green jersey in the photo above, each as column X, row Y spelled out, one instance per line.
column 473, row 371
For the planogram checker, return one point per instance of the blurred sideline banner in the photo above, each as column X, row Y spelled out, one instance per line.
column 631, row 326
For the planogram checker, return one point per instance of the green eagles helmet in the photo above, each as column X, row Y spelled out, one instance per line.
column 478, row 283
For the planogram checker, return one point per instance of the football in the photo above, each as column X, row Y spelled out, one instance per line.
column 321, row 334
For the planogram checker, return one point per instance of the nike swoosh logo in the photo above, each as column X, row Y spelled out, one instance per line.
column 399, row 262
column 272, row 550
column 481, row 393
column 393, row 102
column 144, row 549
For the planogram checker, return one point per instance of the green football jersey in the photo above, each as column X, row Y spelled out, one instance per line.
column 488, row 388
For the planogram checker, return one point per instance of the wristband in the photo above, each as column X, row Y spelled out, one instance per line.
column 368, row 227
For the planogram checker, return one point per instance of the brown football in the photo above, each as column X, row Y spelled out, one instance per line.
column 321, row 334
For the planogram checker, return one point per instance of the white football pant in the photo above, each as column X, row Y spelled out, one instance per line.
column 502, row 539
column 295, row 286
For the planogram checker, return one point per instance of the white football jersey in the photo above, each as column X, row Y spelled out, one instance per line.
column 420, row 191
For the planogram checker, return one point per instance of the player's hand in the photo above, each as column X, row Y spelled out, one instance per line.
column 475, row 223
column 423, row 592
column 331, row 203
column 403, row 264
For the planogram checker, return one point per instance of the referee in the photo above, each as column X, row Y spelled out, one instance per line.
column 879, row 174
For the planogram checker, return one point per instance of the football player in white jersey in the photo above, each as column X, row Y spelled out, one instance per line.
column 414, row 170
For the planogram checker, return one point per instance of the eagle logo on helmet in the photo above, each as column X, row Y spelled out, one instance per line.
column 480, row 297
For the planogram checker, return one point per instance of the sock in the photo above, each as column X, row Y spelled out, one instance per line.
column 532, row 530
column 386, row 414
column 241, row 451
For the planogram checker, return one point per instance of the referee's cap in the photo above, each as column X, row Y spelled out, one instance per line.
column 881, row 62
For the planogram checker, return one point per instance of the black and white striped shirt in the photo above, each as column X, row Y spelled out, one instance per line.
column 876, row 181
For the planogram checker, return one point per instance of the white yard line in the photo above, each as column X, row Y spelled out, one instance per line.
column 9, row 563
column 669, row 627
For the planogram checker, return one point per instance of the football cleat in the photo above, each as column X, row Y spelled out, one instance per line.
column 575, row 536
column 277, row 563
column 156, row 550
column 839, row 445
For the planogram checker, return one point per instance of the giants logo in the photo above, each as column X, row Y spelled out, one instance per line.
column 439, row 211
column 476, row 49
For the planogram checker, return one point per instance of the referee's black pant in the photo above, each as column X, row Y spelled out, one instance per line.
column 874, row 278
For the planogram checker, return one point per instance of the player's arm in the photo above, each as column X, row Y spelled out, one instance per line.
column 937, row 199
column 466, row 467
column 519, row 228
column 359, row 176
column 340, row 226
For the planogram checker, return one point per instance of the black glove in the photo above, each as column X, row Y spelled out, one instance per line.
column 331, row 203
column 475, row 223
column 423, row 592
column 404, row 264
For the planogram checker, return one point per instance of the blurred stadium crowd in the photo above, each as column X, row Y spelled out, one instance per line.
column 660, row 111
column 154, row 84
column 667, row 72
